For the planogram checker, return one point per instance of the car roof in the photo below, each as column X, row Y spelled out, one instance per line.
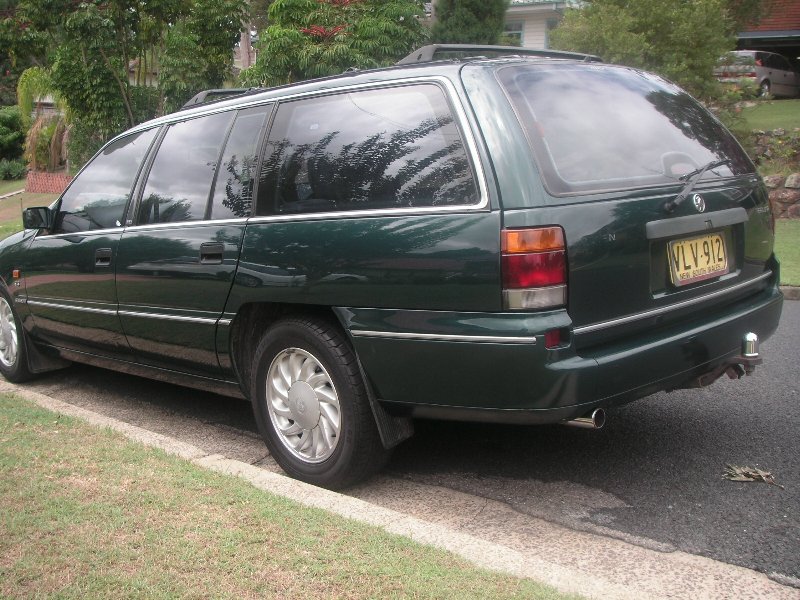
column 448, row 68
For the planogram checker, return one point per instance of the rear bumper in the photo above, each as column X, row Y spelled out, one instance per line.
column 443, row 375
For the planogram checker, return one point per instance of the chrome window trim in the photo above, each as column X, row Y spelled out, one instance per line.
column 187, row 224
column 437, row 337
column 87, row 233
column 87, row 309
column 665, row 309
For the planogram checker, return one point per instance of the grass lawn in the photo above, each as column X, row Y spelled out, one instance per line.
column 787, row 249
column 87, row 514
column 773, row 114
column 11, row 186
column 11, row 210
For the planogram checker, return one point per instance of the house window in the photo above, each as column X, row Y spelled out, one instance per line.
column 515, row 30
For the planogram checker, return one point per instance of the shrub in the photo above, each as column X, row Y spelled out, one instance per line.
column 12, row 169
column 12, row 133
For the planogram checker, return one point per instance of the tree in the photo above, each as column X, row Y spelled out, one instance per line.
column 313, row 38
column 679, row 39
column 119, row 62
column 20, row 48
column 12, row 133
column 469, row 21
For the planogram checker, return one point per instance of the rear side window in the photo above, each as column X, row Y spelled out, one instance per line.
column 233, row 190
column 598, row 128
column 179, row 183
column 99, row 195
column 368, row 149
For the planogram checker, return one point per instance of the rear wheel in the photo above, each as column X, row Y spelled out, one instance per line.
column 13, row 360
column 311, row 404
column 764, row 89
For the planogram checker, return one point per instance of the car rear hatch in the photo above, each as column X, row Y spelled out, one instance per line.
column 665, row 220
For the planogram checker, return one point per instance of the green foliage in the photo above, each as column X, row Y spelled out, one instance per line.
column 12, row 133
column 313, row 38
column 198, row 50
column 83, row 142
column 469, row 21
column 259, row 14
column 119, row 62
column 20, row 47
column 12, row 169
column 679, row 39
column 34, row 85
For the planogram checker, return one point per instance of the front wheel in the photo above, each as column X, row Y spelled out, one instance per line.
column 13, row 360
column 311, row 404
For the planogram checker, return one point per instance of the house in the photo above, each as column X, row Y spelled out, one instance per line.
column 777, row 31
column 531, row 21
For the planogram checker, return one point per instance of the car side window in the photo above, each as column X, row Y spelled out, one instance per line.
column 233, row 189
column 397, row 147
column 98, row 197
column 179, row 183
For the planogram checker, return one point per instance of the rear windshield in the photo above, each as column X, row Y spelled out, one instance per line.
column 604, row 128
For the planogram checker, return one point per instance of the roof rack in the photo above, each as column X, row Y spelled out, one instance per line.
column 460, row 51
column 215, row 95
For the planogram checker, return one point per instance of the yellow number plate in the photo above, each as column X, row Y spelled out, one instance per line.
column 697, row 258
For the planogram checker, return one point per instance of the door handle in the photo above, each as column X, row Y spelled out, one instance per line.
column 102, row 257
column 211, row 253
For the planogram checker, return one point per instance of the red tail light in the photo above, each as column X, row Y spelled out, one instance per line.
column 534, row 268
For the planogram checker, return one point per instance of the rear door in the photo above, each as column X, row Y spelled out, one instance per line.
column 663, row 214
column 177, row 262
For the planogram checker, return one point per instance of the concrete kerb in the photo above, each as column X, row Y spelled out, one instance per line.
column 4, row 196
column 790, row 292
column 706, row 578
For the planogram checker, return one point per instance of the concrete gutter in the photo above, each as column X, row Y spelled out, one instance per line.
column 572, row 561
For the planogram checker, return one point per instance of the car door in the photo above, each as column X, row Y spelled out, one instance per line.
column 786, row 76
column 69, row 275
column 178, row 258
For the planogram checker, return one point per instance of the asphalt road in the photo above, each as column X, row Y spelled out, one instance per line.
column 652, row 476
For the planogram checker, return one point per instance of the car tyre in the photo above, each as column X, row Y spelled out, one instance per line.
column 764, row 89
column 13, row 357
column 311, row 405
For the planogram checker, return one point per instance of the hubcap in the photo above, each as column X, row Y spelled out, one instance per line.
column 303, row 405
column 8, row 335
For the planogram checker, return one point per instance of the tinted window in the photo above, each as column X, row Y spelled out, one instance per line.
column 233, row 191
column 596, row 128
column 179, row 183
column 776, row 61
column 397, row 147
column 98, row 196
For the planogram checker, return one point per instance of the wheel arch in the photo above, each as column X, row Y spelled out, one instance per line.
column 253, row 319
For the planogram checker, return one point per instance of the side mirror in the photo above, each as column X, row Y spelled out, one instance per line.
column 37, row 217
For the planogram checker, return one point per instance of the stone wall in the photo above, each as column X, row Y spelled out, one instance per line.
column 784, row 195
column 40, row 182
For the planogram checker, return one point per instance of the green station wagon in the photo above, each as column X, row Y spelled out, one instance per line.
column 527, row 238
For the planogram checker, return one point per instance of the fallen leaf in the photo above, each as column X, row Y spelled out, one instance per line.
column 736, row 473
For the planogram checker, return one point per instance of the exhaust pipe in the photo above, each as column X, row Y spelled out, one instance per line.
column 594, row 420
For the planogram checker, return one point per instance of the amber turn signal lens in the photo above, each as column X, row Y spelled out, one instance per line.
column 541, row 239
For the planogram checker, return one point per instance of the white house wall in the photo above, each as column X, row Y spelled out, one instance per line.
column 534, row 20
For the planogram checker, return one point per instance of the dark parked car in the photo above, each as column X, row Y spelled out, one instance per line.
column 517, row 239
column 772, row 73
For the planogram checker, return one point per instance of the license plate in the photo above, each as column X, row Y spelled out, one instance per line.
column 698, row 258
